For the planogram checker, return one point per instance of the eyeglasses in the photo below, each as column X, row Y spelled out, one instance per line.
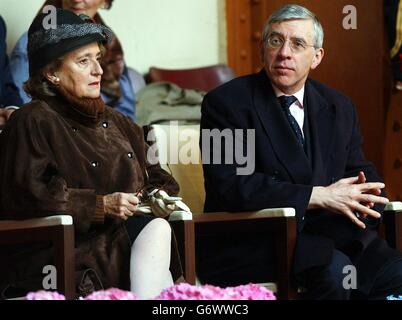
column 296, row 45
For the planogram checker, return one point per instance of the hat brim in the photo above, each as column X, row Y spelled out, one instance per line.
column 51, row 52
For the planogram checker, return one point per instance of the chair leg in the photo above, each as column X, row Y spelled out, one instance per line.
column 65, row 261
column 62, row 238
column 185, row 235
column 392, row 222
column 285, row 244
column 189, row 240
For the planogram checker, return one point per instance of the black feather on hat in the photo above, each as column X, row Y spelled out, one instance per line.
column 71, row 32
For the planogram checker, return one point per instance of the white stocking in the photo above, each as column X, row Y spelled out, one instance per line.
column 150, row 260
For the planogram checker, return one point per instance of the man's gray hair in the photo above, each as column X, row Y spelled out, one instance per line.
column 294, row 12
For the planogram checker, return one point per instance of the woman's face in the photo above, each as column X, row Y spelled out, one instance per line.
column 80, row 73
column 88, row 7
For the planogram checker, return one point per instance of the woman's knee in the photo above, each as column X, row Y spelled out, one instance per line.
column 160, row 227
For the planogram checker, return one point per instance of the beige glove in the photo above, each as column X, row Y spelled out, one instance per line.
column 160, row 204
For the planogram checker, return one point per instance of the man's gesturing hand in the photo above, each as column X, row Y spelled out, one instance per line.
column 120, row 205
column 362, row 179
column 348, row 196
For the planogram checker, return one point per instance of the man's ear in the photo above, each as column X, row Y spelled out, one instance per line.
column 318, row 56
column 52, row 77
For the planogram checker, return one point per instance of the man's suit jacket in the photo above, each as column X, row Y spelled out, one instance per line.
column 284, row 175
column 8, row 91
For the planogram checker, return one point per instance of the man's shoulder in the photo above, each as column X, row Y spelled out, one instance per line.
column 328, row 93
column 239, row 83
column 236, row 90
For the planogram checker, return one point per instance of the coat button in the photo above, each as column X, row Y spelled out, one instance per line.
column 74, row 129
column 130, row 155
column 94, row 164
column 105, row 124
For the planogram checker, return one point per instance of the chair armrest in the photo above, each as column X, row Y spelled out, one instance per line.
column 60, row 220
column 233, row 216
column 181, row 216
column 395, row 206
column 251, row 215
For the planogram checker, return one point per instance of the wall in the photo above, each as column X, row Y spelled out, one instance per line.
column 170, row 34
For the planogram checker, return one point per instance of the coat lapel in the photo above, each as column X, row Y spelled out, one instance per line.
column 322, row 124
column 279, row 132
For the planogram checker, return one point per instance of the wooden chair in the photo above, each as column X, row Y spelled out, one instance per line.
column 204, row 79
column 278, row 221
column 392, row 224
column 59, row 230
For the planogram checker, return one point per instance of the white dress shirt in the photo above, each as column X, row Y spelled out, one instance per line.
column 296, row 109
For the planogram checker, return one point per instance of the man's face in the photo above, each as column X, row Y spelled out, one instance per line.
column 288, row 69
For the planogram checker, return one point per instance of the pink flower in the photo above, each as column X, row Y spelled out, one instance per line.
column 184, row 291
column 250, row 292
column 45, row 295
column 111, row 294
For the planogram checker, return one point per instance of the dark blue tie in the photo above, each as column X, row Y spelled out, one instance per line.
column 286, row 102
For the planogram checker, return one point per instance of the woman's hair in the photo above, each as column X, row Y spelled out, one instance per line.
column 108, row 4
column 37, row 86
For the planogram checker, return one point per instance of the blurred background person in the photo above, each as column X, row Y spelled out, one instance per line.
column 9, row 96
column 118, row 83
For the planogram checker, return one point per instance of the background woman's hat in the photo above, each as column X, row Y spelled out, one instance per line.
column 70, row 32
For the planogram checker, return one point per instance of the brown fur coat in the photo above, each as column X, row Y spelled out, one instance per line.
column 56, row 160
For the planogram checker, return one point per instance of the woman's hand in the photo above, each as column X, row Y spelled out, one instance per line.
column 120, row 205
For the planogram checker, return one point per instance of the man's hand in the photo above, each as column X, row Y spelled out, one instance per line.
column 5, row 115
column 348, row 196
column 362, row 179
column 120, row 205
